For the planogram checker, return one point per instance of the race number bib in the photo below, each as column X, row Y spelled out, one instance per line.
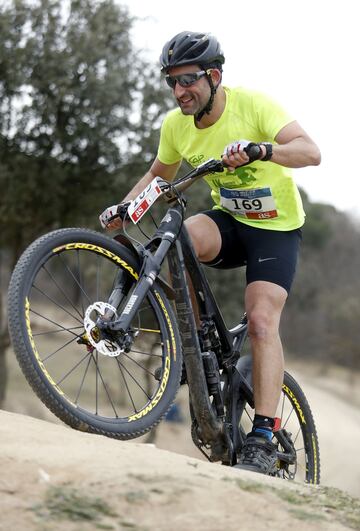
column 139, row 206
column 251, row 204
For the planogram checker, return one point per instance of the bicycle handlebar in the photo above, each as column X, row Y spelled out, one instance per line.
column 170, row 190
column 213, row 166
column 210, row 166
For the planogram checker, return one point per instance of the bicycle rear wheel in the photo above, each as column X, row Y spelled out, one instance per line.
column 298, row 434
column 58, row 285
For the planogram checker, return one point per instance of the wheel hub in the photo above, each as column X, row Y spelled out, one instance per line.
column 92, row 313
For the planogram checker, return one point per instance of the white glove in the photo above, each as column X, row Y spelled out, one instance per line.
column 252, row 149
column 109, row 215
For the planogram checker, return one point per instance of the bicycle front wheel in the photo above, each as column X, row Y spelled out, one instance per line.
column 59, row 283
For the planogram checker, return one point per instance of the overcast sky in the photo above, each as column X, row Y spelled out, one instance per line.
column 303, row 53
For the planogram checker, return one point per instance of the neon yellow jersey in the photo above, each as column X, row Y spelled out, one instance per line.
column 262, row 194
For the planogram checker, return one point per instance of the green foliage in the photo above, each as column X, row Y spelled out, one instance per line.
column 79, row 114
column 317, row 230
column 321, row 317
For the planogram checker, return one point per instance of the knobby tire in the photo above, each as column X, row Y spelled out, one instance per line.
column 53, row 283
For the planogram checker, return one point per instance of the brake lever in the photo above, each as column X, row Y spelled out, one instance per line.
column 210, row 166
column 168, row 194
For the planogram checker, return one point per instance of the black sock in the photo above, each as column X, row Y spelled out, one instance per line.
column 263, row 426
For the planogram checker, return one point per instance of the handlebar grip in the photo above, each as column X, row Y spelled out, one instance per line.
column 253, row 151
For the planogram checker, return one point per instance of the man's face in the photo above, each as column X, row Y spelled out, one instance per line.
column 193, row 98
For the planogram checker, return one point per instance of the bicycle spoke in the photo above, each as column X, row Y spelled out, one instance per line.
column 282, row 407
column 127, row 387
column 134, row 379
column 62, row 328
column 288, row 418
column 75, row 279
column 73, row 369
column 82, row 381
column 57, row 304
column 97, row 385
column 138, row 364
column 52, row 332
column 58, row 350
column 146, row 353
column 296, row 436
column 61, row 290
column 105, row 386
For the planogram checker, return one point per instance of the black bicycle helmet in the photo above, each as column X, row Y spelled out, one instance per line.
column 189, row 47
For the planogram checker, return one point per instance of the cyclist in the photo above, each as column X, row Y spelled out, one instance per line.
column 257, row 217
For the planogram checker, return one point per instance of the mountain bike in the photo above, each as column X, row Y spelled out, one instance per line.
column 105, row 339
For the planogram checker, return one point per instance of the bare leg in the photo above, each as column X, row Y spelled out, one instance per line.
column 205, row 237
column 264, row 302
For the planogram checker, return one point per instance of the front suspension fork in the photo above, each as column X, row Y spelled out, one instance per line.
column 166, row 234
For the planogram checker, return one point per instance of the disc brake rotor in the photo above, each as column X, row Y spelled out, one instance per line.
column 104, row 346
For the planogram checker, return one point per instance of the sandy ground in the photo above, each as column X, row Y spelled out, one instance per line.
column 56, row 478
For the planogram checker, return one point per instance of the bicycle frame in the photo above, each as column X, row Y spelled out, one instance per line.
column 218, row 431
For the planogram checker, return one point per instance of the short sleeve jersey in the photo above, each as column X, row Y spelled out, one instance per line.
column 261, row 194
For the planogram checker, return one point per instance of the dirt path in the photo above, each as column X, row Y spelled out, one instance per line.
column 338, row 426
column 54, row 478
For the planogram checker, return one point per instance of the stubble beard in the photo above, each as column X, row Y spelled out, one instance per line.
column 192, row 108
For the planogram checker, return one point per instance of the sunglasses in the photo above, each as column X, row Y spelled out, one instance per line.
column 184, row 80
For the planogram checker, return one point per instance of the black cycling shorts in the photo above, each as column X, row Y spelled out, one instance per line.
column 269, row 255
